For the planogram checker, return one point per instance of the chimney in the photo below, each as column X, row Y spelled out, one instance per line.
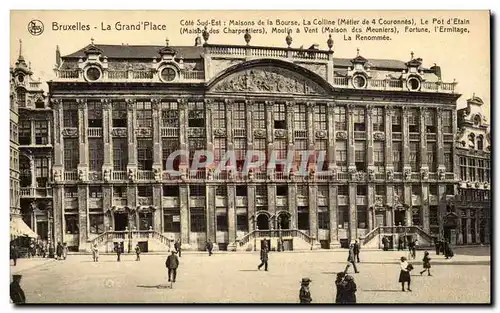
column 58, row 56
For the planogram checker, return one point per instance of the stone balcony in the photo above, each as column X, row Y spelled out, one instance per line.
column 32, row 192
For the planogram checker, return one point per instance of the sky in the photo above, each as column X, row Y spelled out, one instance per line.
column 463, row 57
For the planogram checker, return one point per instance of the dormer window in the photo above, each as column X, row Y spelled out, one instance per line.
column 168, row 74
column 93, row 73
column 477, row 120
column 20, row 78
column 39, row 105
column 359, row 81
column 413, row 84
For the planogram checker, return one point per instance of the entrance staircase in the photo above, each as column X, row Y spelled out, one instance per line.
column 374, row 238
column 293, row 239
column 155, row 240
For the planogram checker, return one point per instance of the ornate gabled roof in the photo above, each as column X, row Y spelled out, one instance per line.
column 92, row 49
column 475, row 100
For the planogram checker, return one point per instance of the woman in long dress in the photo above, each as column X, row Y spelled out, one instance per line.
column 404, row 275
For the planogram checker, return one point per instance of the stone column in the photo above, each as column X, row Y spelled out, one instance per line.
column 157, row 204
column 439, row 139
column 183, row 141
column 271, row 200
column 269, row 133
column 229, row 126
column 310, row 131
column 389, row 157
column 408, row 201
column 157, row 153
column 290, row 110
column 32, row 170
column 332, row 207
column 423, row 140
column 83, row 217
column 210, row 216
column 331, row 136
column 468, row 227
column 353, row 220
column 389, row 214
column 82, row 135
column 406, row 139
column 456, row 166
column 350, row 137
column 292, row 204
column 58, row 138
column 209, row 128
column 32, row 129
column 251, row 207
column 313, row 210
column 107, row 124
column 132, row 204
column 184, row 208
column 249, row 127
column 231, row 214
column 371, row 201
column 107, row 203
column 425, row 208
column 58, row 214
column 132, row 144
column 441, row 208
column 369, row 136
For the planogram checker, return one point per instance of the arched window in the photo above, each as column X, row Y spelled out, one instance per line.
column 480, row 142
column 472, row 140
column 21, row 96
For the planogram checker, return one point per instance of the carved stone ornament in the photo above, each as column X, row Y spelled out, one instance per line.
column 106, row 175
column 371, row 174
column 291, row 174
column 143, row 132
column 70, row 132
column 119, row 132
column 220, row 132
column 341, row 135
column 441, row 173
column 380, row 136
column 155, row 104
column 130, row 104
column 56, row 103
column 379, row 201
column 407, row 173
column 182, row 103
column 131, row 175
column 106, row 104
column 279, row 133
column 82, row 103
column 57, row 175
column 157, row 175
column 251, row 175
column 353, row 174
column 268, row 80
column 259, row 133
column 320, row 134
column 468, row 184
column 390, row 174
column 144, row 201
column 477, row 184
column 81, row 175
column 425, row 173
column 486, row 185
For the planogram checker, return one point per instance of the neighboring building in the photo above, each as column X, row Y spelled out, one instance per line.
column 14, row 150
column 35, row 149
column 387, row 128
column 473, row 203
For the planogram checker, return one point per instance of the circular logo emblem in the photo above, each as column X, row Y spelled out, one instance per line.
column 35, row 27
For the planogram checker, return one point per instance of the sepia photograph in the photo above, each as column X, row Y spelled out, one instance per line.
column 250, row 157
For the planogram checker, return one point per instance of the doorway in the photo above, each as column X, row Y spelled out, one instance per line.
column 400, row 217
column 145, row 220
column 379, row 219
column 284, row 220
column 42, row 229
column 121, row 221
column 263, row 222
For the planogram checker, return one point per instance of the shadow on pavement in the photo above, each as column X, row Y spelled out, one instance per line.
column 156, row 286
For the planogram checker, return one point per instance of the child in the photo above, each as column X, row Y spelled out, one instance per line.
column 427, row 264
column 305, row 293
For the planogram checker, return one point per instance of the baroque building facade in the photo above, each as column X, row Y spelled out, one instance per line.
column 473, row 209
column 386, row 128
column 35, row 151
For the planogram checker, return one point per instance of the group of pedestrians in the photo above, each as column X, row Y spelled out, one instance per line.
column 444, row 247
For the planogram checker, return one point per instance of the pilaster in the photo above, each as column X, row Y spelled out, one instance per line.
column 184, row 208
column 468, row 227
column 331, row 135
column 231, row 213
column 407, row 200
column 440, row 151
column 251, row 207
column 313, row 210
column 82, row 217
column 132, row 144
column 389, row 158
column 269, row 132
column 425, row 208
column 369, row 135
column 132, row 204
column 310, row 125
column 350, row 136
column 107, row 124
column 292, row 204
column 209, row 126
column 369, row 207
column 332, row 207
column 157, row 204
column 406, row 139
column 423, row 140
column 107, row 203
column 441, row 208
column 82, row 136
column 183, row 124
column 229, row 126
column 58, row 213
column 353, row 221
column 157, row 153
column 389, row 213
column 271, row 200
column 58, row 138
column 210, row 216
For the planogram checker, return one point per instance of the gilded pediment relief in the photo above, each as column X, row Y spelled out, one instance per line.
column 268, row 80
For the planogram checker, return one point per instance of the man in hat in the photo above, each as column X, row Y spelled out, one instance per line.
column 351, row 258
column 210, row 247
column 356, row 249
column 16, row 292
column 137, row 252
column 172, row 264
column 305, row 293
column 14, row 253
column 118, row 251
column 264, row 256
column 177, row 246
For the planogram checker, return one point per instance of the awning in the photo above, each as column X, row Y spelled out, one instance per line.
column 19, row 228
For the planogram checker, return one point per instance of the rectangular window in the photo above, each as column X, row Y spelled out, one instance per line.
column 416, row 190
column 343, row 190
column 42, row 171
column 378, row 119
column 300, row 117
column 463, row 168
column 197, row 218
column 41, row 132
column 240, row 148
column 119, row 113
column 169, row 146
column 70, row 117
column 361, row 190
column 259, row 116
column 343, row 217
column 170, row 191
column 94, row 113
column 472, row 169
column 195, row 144
column 221, row 191
column 487, row 171
column 397, row 153
column 360, row 155
column 280, row 148
column 448, row 157
column 259, row 145
column 416, row 216
column 431, row 156
column 323, row 191
column 241, row 222
column 219, row 115
column 433, row 190
column 430, row 121
column 279, row 115
column 380, row 190
column 397, row 121
column 196, row 190
column 341, row 155
column 323, row 218
column 415, row 156
column 96, row 154
column 145, row 191
column 379, row 156
column 169, row 114
column 239, row 116
column 71, row 153
column 144, row 114
column 196, row 114
column 95, row 191
column 362, row 217
column 145, row 154
column 447, row 122
column 340, row 118
column 241, row 191
column 172, row 221
column 450, row 190
column 221, row 222
column 96, row 222
column 219, row 149
column 25, row 132
column 359, row 119
column 303, row 217
column 261, row 191
column 320, row 117
column 413, row 121
column 120, row 154
column 71, row 192
column 282, row 190
column 71, row 221
column 399, row 190
column 119, row 191
column 320, row 147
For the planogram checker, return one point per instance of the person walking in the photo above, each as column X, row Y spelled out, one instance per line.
column 404, row 274
column 305, row 293
column 65, row 251
column 346, row 288
column 209, row 247
column 437, row 245
column 351, row 258
column 59, row 251
column 172, row 264
column 356, row 249
column 118, row 251
column 137, row 252
column 14, row 253
column 427, row 264
column 264, row 257
column 385, row 243
column 448, row 252
column 400, row 243
column 177, row 246
column 16, row 292
column 410, row 249
column 95, row 253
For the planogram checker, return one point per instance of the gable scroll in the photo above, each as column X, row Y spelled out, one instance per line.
column 269, row 80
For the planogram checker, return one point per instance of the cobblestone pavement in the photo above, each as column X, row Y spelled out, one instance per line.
column 233, row 277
